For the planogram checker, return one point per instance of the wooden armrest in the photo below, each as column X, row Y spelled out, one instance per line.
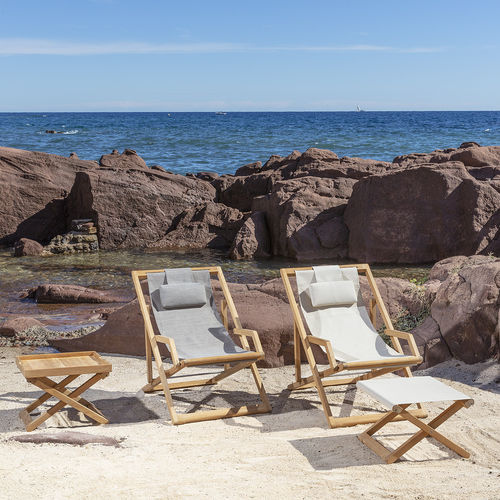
column 171, row 347
column 318, row 340
column 327, row 345
column 397, row 333
column 246, row 333
column 407, row 336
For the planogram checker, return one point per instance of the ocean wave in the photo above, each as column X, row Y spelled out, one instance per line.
column 59, row 132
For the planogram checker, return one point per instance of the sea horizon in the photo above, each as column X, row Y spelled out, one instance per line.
column 222, row 141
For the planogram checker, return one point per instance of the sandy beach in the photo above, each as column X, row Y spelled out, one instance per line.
column 290, row 453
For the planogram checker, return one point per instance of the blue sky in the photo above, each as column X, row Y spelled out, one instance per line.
column 111, row 55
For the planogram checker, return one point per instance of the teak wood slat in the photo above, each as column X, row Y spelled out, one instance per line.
column 374, row 368
column 240, row 360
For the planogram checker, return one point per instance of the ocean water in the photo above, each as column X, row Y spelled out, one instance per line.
column 193, row 142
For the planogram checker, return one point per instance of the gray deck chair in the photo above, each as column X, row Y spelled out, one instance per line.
column 195, row 334
column 332, row 308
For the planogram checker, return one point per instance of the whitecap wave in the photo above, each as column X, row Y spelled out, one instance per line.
column 487, row 129
column 70, row 132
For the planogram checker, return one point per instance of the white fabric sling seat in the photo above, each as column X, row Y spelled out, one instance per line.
column 346, row 326
column 195, row 333
column 330, row 313
column 197, row 330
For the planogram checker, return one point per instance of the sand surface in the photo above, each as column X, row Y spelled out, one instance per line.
column 290, row 453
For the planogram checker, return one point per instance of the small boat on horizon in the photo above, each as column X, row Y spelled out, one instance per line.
column 220, row 113
column 359, row 110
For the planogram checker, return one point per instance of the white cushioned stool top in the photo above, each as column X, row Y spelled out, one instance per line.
column 395, row 391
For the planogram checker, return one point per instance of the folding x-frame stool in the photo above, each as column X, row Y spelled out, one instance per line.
column 37, row 368
column 398, row 393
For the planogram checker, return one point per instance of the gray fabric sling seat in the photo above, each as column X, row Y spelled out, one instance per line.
column 184, row 309
column 334, row 310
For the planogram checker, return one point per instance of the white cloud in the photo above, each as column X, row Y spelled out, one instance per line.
column 30, row 46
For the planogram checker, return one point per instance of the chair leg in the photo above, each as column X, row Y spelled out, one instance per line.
column 218, row 413
column 296, row 353
column 149, row 360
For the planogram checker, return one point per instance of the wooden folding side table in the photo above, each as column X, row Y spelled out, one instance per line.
column 37, row 368
column 397, row 393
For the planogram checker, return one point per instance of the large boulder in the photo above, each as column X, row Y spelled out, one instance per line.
column 324, row 163
column 470, row 154
column 212, row 225
column 400, row 296
column 123, row 333
column 74, row 294
column 249, row 169
column 239, row 191
column 134, row 207
column 25, row 246
column 464, row 320
column 467, row 309
column 422, row 214
column 33, row 187
column 430, row 343
column 17, row 324
column 128, row 159
column 252, row 240
column 304, row 217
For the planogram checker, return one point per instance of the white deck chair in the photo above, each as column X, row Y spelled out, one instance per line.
column 190, row 326
column 333, row 309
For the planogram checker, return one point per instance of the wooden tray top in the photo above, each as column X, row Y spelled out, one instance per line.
column 62, row 363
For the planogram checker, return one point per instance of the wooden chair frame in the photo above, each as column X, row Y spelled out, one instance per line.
column 376, row 367
column 240, row 360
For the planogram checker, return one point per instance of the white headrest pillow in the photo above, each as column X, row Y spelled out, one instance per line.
column 177, row 295
column 332, row 293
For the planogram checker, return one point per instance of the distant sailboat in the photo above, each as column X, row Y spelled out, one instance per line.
column 359, row 110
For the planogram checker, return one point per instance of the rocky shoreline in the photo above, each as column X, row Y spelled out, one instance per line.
column 313, row 205
column 420, row 208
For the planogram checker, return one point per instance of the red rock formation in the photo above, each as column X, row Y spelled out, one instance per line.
column 304, row 217
column 25, row 246
column 74, row 294
column 128, row 159
column 33, row 187
column 467, row 309
column 422, row 214
column 132, row 205
column 252, row 240
column 12, row 326
column 420, row 208
column 211, row 225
